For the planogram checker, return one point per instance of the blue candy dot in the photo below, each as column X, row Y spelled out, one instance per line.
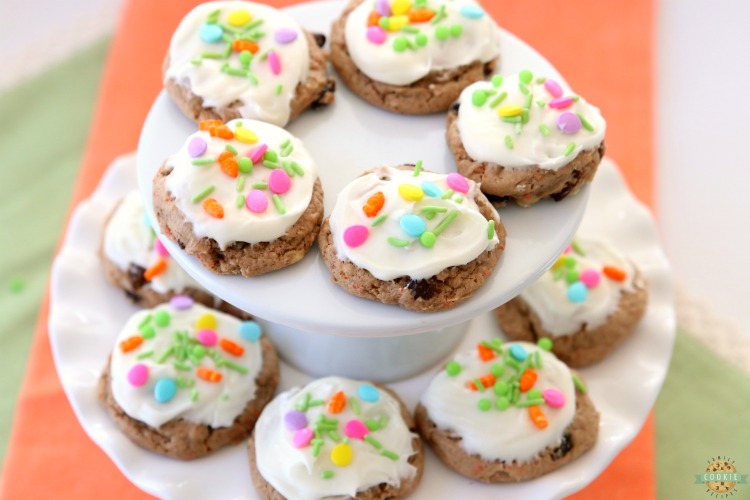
column 368, row 393
column 577, row 292
column 518, row 352
column 431, row 189
column 472, row 12
column 210, row 33
column 413, row 225
column 250, row 331
column 164, row 390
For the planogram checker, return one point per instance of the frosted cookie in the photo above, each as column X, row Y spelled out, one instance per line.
column 245, row 60
column 405, row 236
column 335, row 438
column 244, row 197
column 588, row 303
column 413, row 56
column 184, row 380
column 503, row 413
column 525, row 138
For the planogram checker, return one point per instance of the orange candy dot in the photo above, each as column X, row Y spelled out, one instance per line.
column 208, row 374
column 374, row 204
column 614, row 273
column 213, row 208
column 373, row 19
column 231, row 347
column 528, row 379
column 249, row 45
column 337, row 402
column 420, row 15
column 155, row 270
column 131, row 343
column 485, row 353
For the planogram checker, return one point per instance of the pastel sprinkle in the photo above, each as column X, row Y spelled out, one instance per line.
column 457, row 182
column 553, row 88
column 162, row 319
column 203, row 193
column 518, row 353
column 285, row 35
column 239, row 17
column 553, row 397
column 490, row 229
column 456, row 30
column 379, row 220
column 579, row 384
column 245, row 135
column 484, row 404
column 257, row 154
column 544, row 129
column 410, row 192
column 256, row 201
column 368, row 393
column 356, row 429
column 526, row 76
column 138, row 375
column 278, row 204
column 428, row 239
column 160, row 249
column 509, row 110
column 302, row 437
column 441, row 32
column 376, row 35
column 275, row 62
column 210, row 33
column 479, row 98
column 356, row 235
column 614, row 273
column 508, row 142
column 430, row 189
column 181, row 302
column 472, row 11
column 196, row 147
column 413, row 225
column 569, row 148
column 545, row 344
column 295, row 420
column 207, row 337
column 417, row 168
column 577, row 292
column 383, row 7
column 389, row 454
column 341, row 455
column 250, row 331
column 453, row 368
column 279, row 181
column 585, row 123
column 497, row 81
column 164, row 390
column 568, row 123
column 560, row 103
column 590, row 278
column 326, row 474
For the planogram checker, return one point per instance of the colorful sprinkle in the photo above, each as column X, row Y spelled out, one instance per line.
column 568, row 123
column 162, row 318
column 376, row 35
column 561, row 103
column 203, row 193
column 553, row 88
column 430, row 189
column 554, row 397
column 368, row 393
column 213, row 208
column 302, row 437
column 196, row 147
column 472, row 11
column 278, row 204
column 518, row 352
column 413, row 225
column 337, row 402
column 479, row 98
column 295, row 420
column 356, row 429
column 374, row 204
column 245, row 135
column 537, row 416
column 614, row 273
column 285, row 35
column 207, row 337
column 229, row 164
column 577, row 292
column 456, row 30
column 161, row 250
column 239, row 17
column 250, row 331
column 279, row 182
column 383, row 7
column 569, row 148
column 258, row 153
column 164, row 390
column 579, row 384
column 452, row 368
column 138, row 375
column 457, row 182
column 502, row 403
column 356, row 235
column 256, row 201
column 525, row 76
column 590, row 278
column 441, row 32
column 528, row 379
column 210, row 33
column 231, row 347
column 208, row 374
column 509, row 110
column 428, row 239
column 275, row 62
column 131, row 343
column 341, row 455
column 544, row 343
column 326, row 474
column 501, row 387
column 181, row 302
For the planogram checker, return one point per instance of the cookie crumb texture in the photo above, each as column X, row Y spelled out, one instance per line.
column 433, row 93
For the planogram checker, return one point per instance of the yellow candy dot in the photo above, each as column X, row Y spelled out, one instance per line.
column 245, row 135
column 410, row 192
column 395, row 23
column 341, row 455
column 239, row 18
column 399, row 7
column 206, row 322
column 509, row 110
column 559, row 262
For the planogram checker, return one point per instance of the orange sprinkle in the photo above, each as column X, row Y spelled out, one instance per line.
column 208, row 374
column 374, row 204
column 223, row 132
column 208, row 124
column 249, row 45
column 537, row 416
column 487, row 381
column 528, row 379
column 229, row 164
column 420, row 15
column 231, row 347
column 485, row 353
column 213, row 208
column 373, row 19
column 614, row 273
column 337, row 402
column 131, row 343
column 155, row 270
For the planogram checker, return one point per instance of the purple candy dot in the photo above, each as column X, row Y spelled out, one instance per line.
column 285, row 35
column 568, row 123
column 181, row 302
column 383, row 7
column 295, row 420
column 197, row 147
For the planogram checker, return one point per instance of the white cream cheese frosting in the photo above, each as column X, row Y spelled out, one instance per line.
column 129, row 239
column 524, row 120
column 240, row 51
column 583, row 288
column 333, row 438
column 182, row 359
column 422, row 224
column 494, row 418
column 402, row 48
column 251, row 196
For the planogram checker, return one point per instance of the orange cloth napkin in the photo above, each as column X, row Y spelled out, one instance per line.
column 603, row 50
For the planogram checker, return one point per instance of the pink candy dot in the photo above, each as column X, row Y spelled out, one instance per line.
column 206, row 337
column 275, row 62
column 561, row 103
column 256, row 201
column 553, row 87
column 302, row 437
column 257, row 154
column 279, row 181
column 355, row 235
column 457, row 182
column 356, row 429
column 138, row 375
column 568, row 122
column 554, row 397
column 376, row 35
column 160, row 248
column 590, row 278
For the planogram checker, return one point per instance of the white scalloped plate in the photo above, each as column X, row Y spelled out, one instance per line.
column 86, row 314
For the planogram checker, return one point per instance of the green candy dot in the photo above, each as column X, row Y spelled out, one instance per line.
column 384, row 22
column 497, row 370
column 245, row 164
column 479, row 97
column 544, row 343
column 162, row 318
column 199, row 351
column 497, row 80
column 421, row 39
column 245, row 58
column 400, row 43
column 570, row 261
column 442, row 33
column 526, row 76
column 427, row 239
column 534, row 394
column 270, row 155
column 456, row 30
column 453, row 368
column 484, row 404
column 148, row 332
column 571, row 276
column 502, row 403
column 501, row 388
column 15, row 285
